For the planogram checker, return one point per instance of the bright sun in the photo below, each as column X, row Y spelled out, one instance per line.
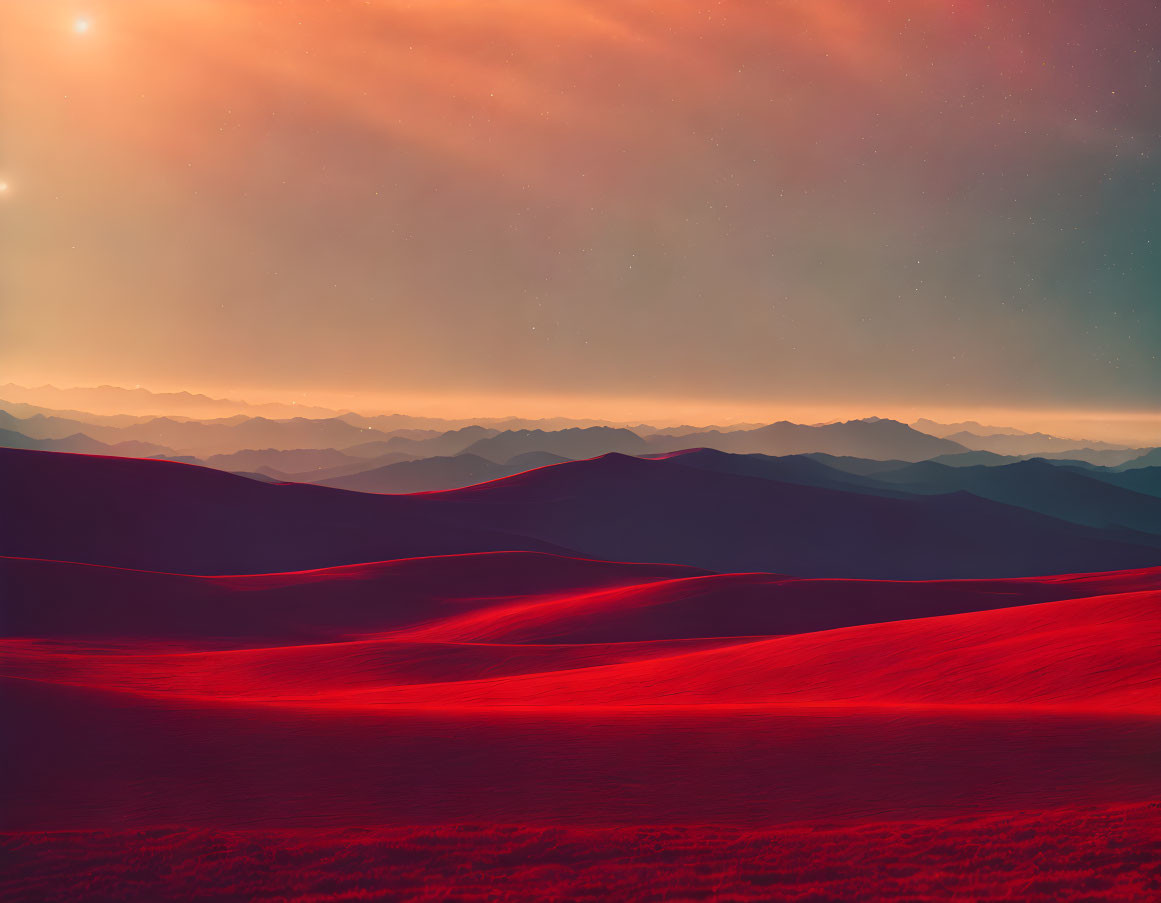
column 81, row 26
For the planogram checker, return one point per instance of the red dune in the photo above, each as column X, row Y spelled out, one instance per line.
column 1099, row 652
column 496, row 596
column 1092, row 653
column 54, row 598
column 738, row 605
column 518, row 720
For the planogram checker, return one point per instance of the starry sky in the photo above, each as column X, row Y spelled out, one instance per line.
column 578, row 206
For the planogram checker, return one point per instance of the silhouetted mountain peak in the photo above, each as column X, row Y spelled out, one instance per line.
column 973, row 427
column 1030, row 465
column 1149, row 459
column 700, row 451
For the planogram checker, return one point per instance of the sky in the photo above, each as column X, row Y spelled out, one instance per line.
column 735, row 209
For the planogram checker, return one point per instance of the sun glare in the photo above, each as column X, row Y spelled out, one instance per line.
column 82, row 25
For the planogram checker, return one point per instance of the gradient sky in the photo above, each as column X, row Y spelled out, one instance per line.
column 951, row 205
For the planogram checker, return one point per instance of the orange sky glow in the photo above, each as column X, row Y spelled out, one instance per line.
column 704, row 211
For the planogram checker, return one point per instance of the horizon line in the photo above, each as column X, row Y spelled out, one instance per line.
column 1124, row 426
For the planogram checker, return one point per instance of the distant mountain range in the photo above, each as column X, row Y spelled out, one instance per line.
column 439, row 473
column 309, row 450
column 1146, row 480
column 872, row 438
column 394, row 422
column 1028, row 443
column 297, row 460
column 203, row 437
column 945, row 430
column 865, row 439
column 120, row 400
column 1116, row 459
column 354, row 465
column 1071, row 494
column 452, row 442
column 78, row 443
column 1150, row 458
column 568, row 443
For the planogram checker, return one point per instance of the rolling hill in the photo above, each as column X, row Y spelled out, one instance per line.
column 1068, row 493
column 495, row 597
column 158, row 515
column 162, row 515
column 802, row 470
column 1145, row 480
column 407, row 693
column 624, row 508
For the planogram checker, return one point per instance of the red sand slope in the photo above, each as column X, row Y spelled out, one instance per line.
column 1097, row 654
column 520, row 691
column 492, row 597
column 55, row 598
column 527, row 629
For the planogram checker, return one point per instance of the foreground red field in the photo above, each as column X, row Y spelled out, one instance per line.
column 529, row 725
column 1096, row 854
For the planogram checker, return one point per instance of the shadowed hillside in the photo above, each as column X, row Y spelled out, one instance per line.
column 165, row 516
